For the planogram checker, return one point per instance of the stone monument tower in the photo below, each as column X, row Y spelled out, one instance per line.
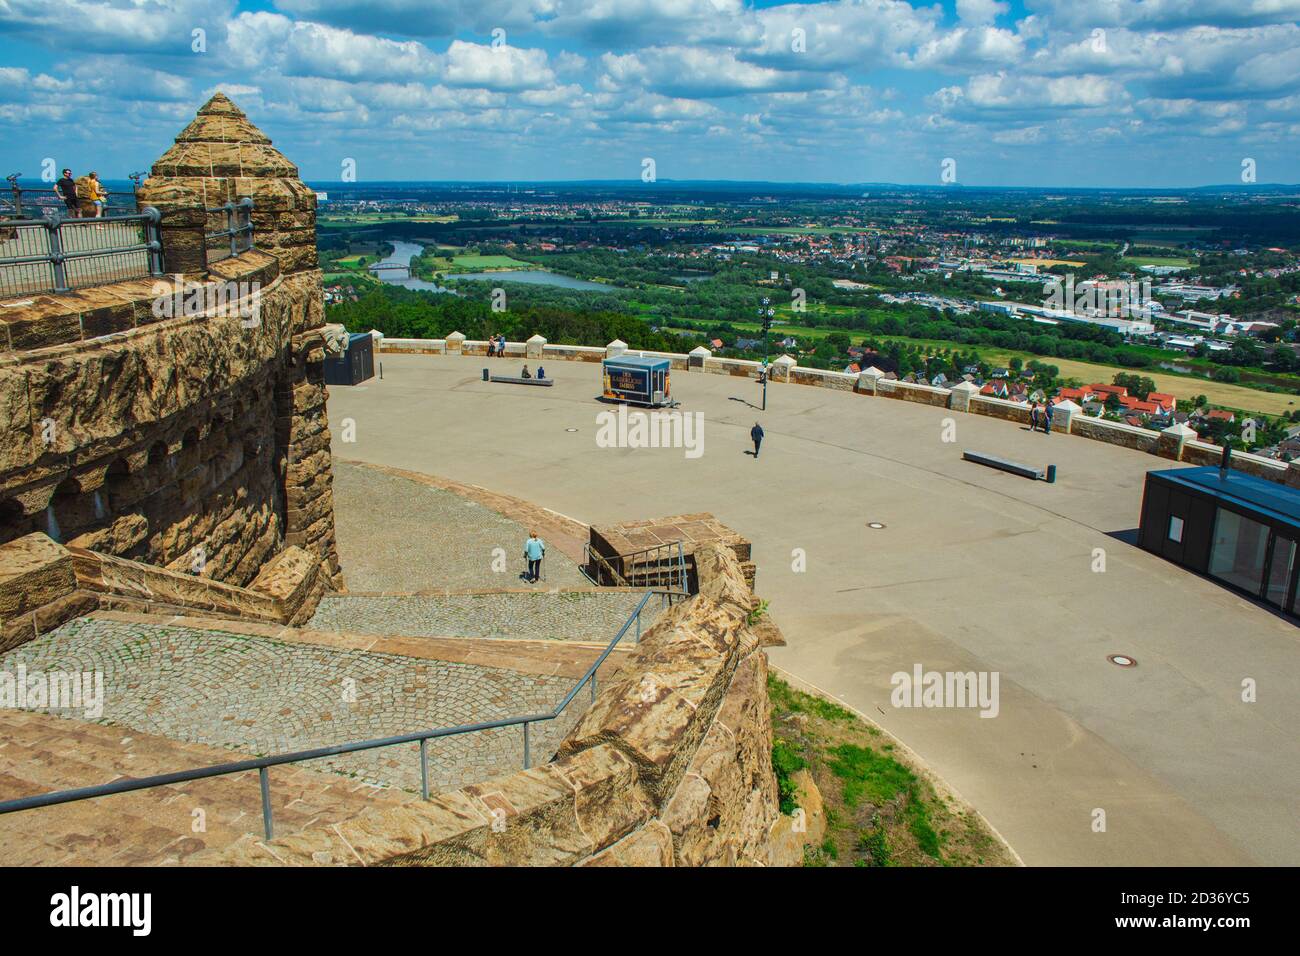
column 220, row 158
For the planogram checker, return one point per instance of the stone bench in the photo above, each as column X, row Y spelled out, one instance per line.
column 992, row 461
column 515, row 380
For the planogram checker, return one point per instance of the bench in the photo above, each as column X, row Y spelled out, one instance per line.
column 515, row 380
column 1002, row 464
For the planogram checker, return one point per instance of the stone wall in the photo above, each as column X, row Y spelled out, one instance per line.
column 670, row 766
column 43, row 585
column 965, row 400
column 193, row 442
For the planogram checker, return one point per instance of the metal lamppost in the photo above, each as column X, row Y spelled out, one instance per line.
column 765, row 316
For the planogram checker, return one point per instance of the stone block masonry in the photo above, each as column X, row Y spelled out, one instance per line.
column 195, row 443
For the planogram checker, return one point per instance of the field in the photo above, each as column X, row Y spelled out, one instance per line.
column 1179, row 261
column 473, row 262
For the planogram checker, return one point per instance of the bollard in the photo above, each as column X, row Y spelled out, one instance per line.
column 381, row 371
column 1051, row 474
column 485, row 375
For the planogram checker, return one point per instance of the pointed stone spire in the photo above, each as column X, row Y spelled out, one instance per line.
column 222, row 157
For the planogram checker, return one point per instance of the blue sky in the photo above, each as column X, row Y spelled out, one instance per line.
column 1148, row 93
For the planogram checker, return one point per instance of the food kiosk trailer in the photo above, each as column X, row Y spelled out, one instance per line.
column 638, row 380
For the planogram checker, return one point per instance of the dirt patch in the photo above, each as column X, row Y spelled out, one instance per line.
column 882, row 809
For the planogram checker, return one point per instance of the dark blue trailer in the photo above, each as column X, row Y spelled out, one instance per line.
column 355, row 365
column 637, row 379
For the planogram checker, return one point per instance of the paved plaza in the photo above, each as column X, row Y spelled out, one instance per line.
column 972, row 569
column 450, row 541
column 259, row 696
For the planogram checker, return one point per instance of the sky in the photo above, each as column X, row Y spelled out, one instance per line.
column 1108, row 93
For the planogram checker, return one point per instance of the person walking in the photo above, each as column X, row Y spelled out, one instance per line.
column 534, row 552
column 756, row 434
column 1035, row 413
column 1047, row 417
column 66, row 189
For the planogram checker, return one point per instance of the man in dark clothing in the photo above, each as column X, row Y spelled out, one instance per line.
column 66, row 188
column 1047, row 419
column 756, row 433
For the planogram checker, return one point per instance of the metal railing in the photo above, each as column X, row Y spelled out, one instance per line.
column 25, row 202
column 236, row 234
column 263, row 764
column 659, row 566
column 58, row 254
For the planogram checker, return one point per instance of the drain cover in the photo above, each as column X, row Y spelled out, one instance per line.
column 1122, row 660
column 874, row 525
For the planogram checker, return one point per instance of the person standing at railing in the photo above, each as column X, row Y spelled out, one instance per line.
column 97, row 194
column 66, row 189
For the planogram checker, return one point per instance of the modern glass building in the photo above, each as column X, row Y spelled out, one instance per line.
column 1233, row 527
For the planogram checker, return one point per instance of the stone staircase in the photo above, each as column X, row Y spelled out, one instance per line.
column 156, row 827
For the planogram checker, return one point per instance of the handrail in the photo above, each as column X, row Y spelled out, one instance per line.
column 262, row 764
column 45, row 198
column 668, row 557
column 239, row 225
column 58, row 253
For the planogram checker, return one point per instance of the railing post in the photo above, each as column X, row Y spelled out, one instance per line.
column 638, row 625
column 56, row 251
column 424, row 768
column 266, row 803
column 526, row 760
column 153, row 238
column 246, row 220
column 230, row 228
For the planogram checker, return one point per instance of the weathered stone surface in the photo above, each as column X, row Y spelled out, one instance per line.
column 34, row 571
column 38, row 589
column 158, row 436
column 652, row 845
column 294, row 580
column 721, row 813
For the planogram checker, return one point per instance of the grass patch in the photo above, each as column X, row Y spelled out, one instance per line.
column 881, row 809
column 785, row 763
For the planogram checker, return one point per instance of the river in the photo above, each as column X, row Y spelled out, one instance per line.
column 404, row 252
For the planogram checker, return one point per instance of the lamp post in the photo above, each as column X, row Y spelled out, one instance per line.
column 765, row 315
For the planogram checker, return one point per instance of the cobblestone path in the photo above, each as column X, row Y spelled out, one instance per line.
column 575, row 616
column 259, row 696
column 395, row 534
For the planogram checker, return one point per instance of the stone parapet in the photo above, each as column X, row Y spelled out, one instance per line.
column 38, row 589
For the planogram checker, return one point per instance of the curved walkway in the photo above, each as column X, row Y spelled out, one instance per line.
column 973, row 570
